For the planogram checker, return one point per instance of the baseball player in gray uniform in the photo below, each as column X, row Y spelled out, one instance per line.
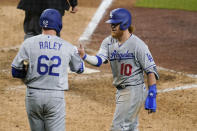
column 47, row 57
column 129, row 58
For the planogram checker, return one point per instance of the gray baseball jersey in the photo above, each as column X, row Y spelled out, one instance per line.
column 49, row 58
column 128, row 61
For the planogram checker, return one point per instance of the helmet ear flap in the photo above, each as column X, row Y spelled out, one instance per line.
column 125, row 24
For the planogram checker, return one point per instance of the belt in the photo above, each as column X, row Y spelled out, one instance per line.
column 120, row 87
column 43, row 89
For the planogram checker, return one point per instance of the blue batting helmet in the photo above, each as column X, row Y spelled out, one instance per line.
column 122, row 16
column 51, row 18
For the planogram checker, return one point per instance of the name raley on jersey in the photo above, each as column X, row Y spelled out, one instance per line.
column 49, row 45
column 121, row 56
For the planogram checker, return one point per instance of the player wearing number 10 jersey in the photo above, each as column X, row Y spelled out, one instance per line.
column 48, row 58
column 129, row 58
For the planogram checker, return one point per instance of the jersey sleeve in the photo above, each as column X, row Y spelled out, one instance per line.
column 103, row 51
column 20, row 57
column 146, row 60
column 76, row 63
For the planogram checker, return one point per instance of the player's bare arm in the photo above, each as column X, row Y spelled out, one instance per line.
column 151, row 79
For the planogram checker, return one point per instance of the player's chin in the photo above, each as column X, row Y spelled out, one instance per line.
column 116, row 34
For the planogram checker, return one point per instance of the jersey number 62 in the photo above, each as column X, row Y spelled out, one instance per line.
column 43, row 68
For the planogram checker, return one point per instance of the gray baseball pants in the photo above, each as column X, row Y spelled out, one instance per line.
column 45, row 110
column 128, row 104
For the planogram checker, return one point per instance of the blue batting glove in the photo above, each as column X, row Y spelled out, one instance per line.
column 150, row 103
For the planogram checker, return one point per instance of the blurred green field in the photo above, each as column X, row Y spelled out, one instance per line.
column 190, row 5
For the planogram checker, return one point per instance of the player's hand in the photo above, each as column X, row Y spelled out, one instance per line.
column 74, row 10
column 150, row 103
column 81, row 50
column 25, row 65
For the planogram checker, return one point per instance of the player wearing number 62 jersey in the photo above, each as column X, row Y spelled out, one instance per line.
column 48, row 57
column 129, row 58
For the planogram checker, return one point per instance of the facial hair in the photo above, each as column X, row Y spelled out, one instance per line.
column 117, row 34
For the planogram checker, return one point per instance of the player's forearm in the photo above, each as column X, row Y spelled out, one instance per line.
column 93, row 60
column 151, row 79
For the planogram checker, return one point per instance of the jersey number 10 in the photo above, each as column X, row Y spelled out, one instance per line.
column 126, row 69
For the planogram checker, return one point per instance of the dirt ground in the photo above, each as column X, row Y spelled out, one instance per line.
column 90, row 102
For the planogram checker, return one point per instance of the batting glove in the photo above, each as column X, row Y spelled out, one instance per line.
column 150, row 103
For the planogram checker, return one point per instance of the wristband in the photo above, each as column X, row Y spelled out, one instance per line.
column 152, row 87
column 84, row 57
